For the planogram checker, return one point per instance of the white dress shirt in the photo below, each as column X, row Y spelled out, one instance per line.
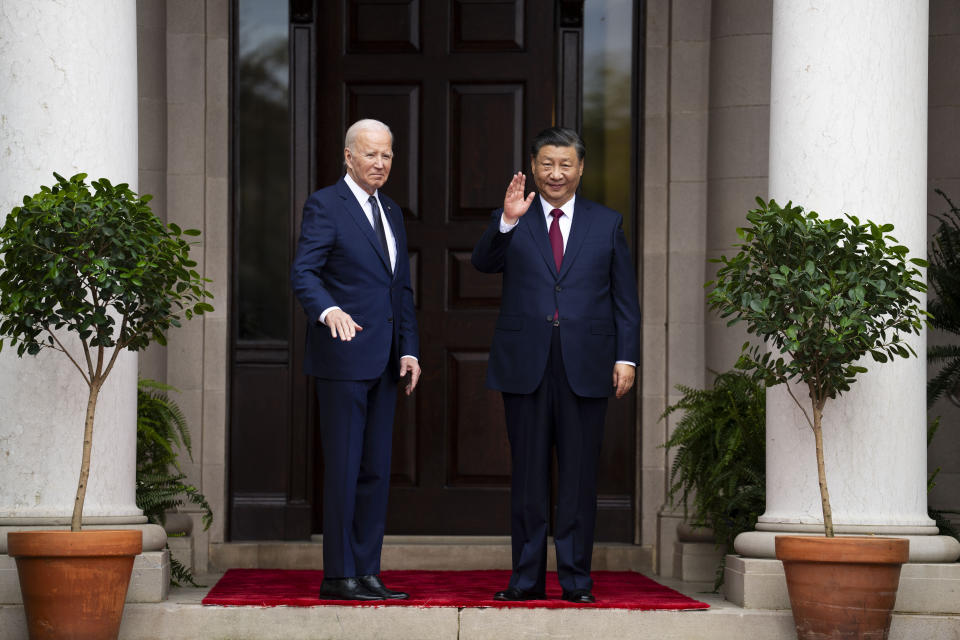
column 363, row 198
column 565, row 221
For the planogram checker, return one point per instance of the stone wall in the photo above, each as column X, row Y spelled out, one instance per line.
column 943, row 172
column 184, row 62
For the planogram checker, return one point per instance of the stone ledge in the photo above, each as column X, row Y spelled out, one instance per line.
column 696, row 561
column 150, row 581
column 184, row 617
column 420, row 552
column 758, row 583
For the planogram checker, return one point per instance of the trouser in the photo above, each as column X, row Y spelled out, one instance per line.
column 553, row 416
column 356, row 430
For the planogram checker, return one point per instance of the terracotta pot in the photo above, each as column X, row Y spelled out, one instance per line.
column 74, row 584
column 842, row 587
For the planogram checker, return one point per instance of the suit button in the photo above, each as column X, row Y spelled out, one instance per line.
column 558, row 288
column 550, row 318
column 390, row 320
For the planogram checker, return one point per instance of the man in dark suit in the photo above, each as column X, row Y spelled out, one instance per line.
column 352, row 276
column 567, row 337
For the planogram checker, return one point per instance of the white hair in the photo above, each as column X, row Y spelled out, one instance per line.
column 364, row 125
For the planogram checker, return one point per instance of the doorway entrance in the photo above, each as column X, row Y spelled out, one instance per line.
column 464, row 85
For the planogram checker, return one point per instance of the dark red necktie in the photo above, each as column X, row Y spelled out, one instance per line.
column 556, row 239
column 556, row 243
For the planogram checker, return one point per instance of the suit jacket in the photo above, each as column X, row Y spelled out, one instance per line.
column 595, row 292
column 340, row 262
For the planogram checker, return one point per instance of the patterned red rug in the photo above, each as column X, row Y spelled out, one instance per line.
column 276, row 587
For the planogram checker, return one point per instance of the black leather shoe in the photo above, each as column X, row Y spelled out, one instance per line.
column 579, row 596
column 345, row 589
column 512, row 594
column 374, row 585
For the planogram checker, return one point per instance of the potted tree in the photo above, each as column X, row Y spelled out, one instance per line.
column 822, row 295
column 97, row 263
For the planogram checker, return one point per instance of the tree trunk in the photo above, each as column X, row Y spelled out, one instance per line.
column 87, row 447
column 821, row 473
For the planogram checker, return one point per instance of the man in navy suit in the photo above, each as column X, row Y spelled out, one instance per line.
column 567, row 337
column 352, row 276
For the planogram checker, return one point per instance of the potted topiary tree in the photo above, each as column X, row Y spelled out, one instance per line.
column 823, row 294
column 97, row 263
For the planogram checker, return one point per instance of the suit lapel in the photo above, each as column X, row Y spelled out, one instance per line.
column 353, row 208
column 536, row 225
column 579, row 228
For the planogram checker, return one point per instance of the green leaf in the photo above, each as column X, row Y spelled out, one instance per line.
column 824, row 292
column 81, row 258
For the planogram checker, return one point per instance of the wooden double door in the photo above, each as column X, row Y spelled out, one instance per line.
column 464, row 86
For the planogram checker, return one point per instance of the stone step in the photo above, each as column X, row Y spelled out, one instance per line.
column 183, row 617
column 438, row 553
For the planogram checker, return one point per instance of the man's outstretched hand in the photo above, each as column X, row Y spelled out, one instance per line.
column 341, row 325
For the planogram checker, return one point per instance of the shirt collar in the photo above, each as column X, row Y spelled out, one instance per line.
column 566, row 207
column 362, row 196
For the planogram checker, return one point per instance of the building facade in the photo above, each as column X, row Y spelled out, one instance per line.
column 240, row 114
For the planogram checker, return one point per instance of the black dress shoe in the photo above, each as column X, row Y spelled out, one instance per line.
column 512, row 594
column 579, row 596
column 374, row 585
column 345, row 589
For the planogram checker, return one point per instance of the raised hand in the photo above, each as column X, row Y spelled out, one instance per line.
column 514, row 204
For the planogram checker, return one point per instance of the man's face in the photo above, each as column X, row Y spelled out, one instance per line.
column 557, row 171
column 369, row 161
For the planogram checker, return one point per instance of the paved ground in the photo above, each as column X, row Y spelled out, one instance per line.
column 183, row 617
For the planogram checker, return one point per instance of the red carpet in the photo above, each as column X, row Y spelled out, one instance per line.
column 275, row 587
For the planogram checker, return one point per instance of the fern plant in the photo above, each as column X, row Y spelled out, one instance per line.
column 161, row 486
column 943, row 275
column 720, row 461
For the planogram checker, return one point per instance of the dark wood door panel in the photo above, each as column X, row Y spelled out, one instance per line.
column 478, row 453
column 383, row 26
column 464, row 85
column 398, row 104
column 487, row 25
column 486, row 142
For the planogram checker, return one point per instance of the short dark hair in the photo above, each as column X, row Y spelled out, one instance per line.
column 558, row 137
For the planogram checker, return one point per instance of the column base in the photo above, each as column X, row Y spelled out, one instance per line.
column 697, row 555
column 150, row 581
column 926, row 588
column 696, row 561
column 923, row 548
column 668, row 521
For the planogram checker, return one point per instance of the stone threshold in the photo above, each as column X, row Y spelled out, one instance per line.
column 438, row 553
column 182, row 616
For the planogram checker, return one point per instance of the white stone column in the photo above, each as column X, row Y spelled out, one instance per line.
column 68, row 104
column 848, row 133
